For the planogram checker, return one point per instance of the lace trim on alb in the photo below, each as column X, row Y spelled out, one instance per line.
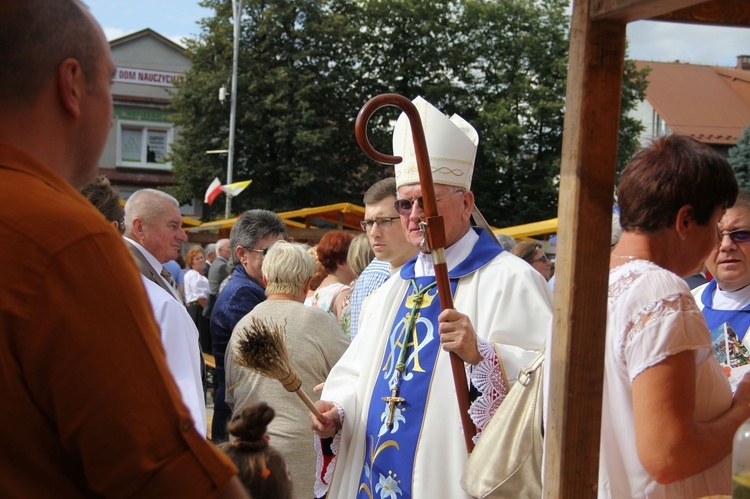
column 322, row 485
column 487, row 377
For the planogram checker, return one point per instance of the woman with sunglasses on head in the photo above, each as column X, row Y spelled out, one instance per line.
column 532, row 253
column 726, row 298
column 668, row 413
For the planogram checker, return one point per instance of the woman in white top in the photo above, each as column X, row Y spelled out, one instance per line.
column 196, row 294
column 668, row 414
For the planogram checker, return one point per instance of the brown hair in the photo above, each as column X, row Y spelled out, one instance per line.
column 526, row 250
column 672, row 172
column 106, row 199
column 381, row 190
column 191, row 254
column 333, row 248
column 261, row 468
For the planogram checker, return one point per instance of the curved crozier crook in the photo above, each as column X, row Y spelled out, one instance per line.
column 417, row 132
column 363, row 118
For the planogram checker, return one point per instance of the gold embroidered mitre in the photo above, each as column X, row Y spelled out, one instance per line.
column 451, row 145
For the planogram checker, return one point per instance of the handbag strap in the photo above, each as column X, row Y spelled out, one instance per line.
column 526, row 372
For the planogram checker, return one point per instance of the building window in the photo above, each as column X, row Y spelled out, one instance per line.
column 659, row 127
column 144, row 145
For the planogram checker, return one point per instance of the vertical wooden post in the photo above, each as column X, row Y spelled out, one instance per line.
column 576, row 367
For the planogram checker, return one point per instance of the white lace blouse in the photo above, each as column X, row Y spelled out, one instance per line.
column 196, row 286
column 651, row 315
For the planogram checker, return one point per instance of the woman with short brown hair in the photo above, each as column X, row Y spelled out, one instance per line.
column 668, row 413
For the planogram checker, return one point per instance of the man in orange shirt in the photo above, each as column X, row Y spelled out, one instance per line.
column 90, row 408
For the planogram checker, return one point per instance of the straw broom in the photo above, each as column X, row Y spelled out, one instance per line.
column 262, row 348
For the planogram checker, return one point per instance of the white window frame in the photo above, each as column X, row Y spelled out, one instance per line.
column 144, row 126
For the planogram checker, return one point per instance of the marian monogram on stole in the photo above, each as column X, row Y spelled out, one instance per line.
column 397, row 406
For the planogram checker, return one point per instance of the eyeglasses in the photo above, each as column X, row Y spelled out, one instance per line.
column 737, row 236
column 542, row 259
column 404, row 206
column 382, row 222
column 261, row 251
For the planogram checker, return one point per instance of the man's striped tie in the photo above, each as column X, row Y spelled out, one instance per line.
column 168, row 277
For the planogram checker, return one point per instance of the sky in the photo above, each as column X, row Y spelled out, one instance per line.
column 647, row 40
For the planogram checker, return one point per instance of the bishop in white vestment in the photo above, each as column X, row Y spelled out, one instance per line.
column 391, row 400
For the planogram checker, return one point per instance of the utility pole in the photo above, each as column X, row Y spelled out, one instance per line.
column 237, row 15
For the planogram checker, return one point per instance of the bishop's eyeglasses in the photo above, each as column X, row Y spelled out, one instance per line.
column 404, row 206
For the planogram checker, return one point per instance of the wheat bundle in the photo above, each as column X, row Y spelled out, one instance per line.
column 262, row 348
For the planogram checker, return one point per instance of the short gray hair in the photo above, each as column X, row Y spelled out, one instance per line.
column 507, row 242
column 251, row 227
column 146, row 204
column 222, row 243
column 287, row 267
column 211, row 248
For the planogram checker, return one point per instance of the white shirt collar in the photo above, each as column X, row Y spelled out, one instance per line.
column 731, row 300
column 149, row 257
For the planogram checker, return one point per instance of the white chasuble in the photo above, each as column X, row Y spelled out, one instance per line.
column 509, row 305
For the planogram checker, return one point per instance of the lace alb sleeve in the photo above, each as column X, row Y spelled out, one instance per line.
column 487, row 378
column 327, row 450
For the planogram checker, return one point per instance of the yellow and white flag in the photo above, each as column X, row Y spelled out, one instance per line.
column 230, row 190
column 235, row 188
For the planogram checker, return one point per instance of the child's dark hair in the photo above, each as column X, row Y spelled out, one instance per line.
column 262, row 468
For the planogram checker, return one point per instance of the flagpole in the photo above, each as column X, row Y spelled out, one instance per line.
column 237, row 15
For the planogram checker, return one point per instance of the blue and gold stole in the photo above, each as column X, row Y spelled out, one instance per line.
column 414, row 341
column 408, row 364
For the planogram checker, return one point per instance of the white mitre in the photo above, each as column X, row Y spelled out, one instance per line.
column 451, row 145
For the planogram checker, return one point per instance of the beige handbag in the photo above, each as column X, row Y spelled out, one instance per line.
column 507, row 460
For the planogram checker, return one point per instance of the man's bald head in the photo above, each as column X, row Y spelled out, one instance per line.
column 224, row 249
column 36, row 36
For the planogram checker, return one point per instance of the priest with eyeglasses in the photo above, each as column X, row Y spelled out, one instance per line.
column 394, row 426
column 726, row 298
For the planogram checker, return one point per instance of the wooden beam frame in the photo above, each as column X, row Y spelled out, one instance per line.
column 718, row 12
column 576, row 356
column 635, row 10
column 715, row 12
column 589, row 157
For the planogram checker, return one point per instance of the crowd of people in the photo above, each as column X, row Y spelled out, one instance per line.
column 102, row 365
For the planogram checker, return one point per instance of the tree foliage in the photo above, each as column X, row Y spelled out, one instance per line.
column 739, row 158
column 307, row 67
column 295, row 106
column 518, row 89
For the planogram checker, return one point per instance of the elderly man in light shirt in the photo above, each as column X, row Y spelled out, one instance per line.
column 154, row 235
